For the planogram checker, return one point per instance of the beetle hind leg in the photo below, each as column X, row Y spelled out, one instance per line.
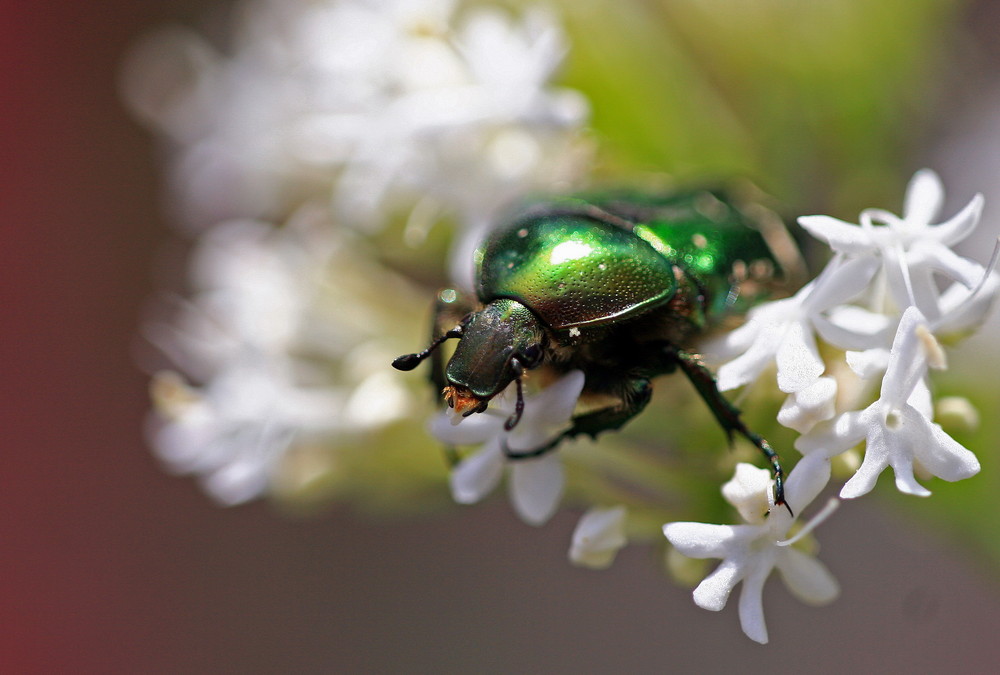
column 728, row 416
column 635, row 395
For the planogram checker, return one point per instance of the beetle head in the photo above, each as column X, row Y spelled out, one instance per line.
column 498, row 344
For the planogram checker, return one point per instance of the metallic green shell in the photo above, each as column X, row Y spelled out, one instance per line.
column 574, row 271
column 709, row 237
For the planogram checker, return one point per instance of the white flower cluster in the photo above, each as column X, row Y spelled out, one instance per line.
column 878, row 302
column 891, row 291
column 323, row 116
column 367, row 101
column 258, row 313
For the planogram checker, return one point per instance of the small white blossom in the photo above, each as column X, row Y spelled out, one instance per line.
column 535, row 485
column 267, row 303
column 234, row 431
column 911, row 249
column 598, row 537
column 884, row 265
column 750, row 552
column 807, row 407
column 367, row 102
column 897, row 428
column 784, row 331
column 254, row 286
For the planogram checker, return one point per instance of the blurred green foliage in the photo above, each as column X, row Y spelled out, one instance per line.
column 820, row 103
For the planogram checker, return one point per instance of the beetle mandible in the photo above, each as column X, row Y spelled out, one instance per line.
column 620, row 287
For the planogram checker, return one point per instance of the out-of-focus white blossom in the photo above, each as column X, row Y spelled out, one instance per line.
column 369, row 102
column 234, row 431
column 598, row 537
column 534, row 484
column 267, row 305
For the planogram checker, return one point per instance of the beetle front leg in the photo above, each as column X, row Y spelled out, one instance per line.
column 635, row 396
column 728, row 415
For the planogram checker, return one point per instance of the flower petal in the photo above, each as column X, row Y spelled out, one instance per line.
column 469, row 431
column 701, row 540
column 907, row 362
column 804, row 409
column 962, row 224
column 834, row 437
column 713, row 591
column 535, row 487
column 752, row 604
column 842, row 237
column 924, row 196
column 840, row 281
column 962, row 313
column 478, row 474
column 557, row 401
column 806, row 577
column 745, row 368
column 851, row 327
column 932, row 256
column 598, row 537
column 875, row 462
column 868, row 363
column 799, row 364
column 938, row 452
column 748, row 492
column 807, row 480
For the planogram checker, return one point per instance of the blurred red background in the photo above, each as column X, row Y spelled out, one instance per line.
column 109, row 565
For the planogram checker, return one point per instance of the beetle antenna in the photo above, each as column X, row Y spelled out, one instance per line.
column 518, row 409
column 411, row 361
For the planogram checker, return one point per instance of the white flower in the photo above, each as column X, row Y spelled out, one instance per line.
column 269, row 305
column 784, row 331
column 807, row 407
column 535, row 485
column 370, row 102
column 911, row 249
column 750, row 552
column 254, row 285
column 598, row 537
column 234, row 431
column 897, row 428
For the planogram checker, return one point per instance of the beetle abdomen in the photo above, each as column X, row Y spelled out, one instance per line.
column 572, row 270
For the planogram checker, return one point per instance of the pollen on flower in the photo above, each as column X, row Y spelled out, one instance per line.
column 171, row 394
column 935, row 355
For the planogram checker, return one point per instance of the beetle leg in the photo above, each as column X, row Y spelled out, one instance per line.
column 636, row 395
column 728, row 415
column 515, row 417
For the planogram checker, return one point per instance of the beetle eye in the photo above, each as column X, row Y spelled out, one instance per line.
column 531, row 356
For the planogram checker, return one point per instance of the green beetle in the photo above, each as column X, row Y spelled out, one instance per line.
column 620, row 287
